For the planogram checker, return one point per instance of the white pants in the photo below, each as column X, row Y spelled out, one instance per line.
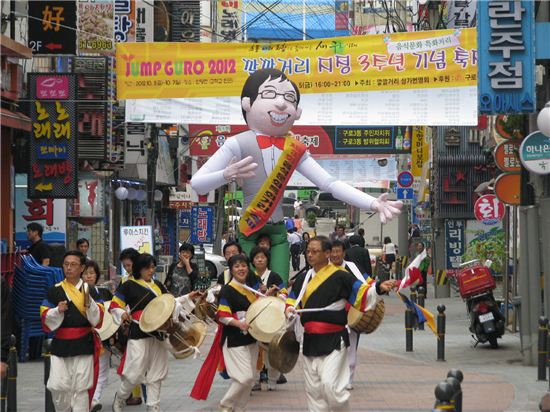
column 103, row 374
column 326, row 378
column 272, row 373
column 69, row 381
column 146, row 362
column 352, row 353
column 240, row 363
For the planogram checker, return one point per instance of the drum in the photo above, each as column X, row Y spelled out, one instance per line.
column 266, row 317
column 184, row 335
column 368, row 321
column 207, row 306
column 284, row 351
column 109, row 326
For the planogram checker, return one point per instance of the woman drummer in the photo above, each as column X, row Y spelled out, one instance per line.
column 146, row 357
column 240, row 350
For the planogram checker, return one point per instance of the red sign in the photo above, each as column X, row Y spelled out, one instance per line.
column 489, row 209
column 507, row 156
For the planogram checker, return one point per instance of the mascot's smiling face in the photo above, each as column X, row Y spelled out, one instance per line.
column 274, row 109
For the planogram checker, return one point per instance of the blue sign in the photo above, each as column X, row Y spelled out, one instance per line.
column 202, row 224
column 506, row 65
column 184, row 219
column 405, row 179
column 455, row 241
column 405, row 193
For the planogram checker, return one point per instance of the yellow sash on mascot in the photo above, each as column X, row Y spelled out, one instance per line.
column 262, row 206
column 75, row 296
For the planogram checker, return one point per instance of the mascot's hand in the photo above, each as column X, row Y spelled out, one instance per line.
column 243, row 169
column 388, row 209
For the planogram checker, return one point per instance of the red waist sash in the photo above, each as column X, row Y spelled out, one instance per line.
column 137, row 314
column 322, row 327
column 72, row 333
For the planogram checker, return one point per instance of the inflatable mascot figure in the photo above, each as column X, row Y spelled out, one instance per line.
column 262, row 160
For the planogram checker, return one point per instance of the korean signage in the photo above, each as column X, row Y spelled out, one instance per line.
column 180, row 200
column 341, row 15
column 205, row 140
column 202, row 224
column 53, row 157
column 535, row 153
column 50, row 213
column 489, row 210
column 184, row 219
column 52, row 27
column 420, row 150
column 455, row 241
column 507, row 55
column 138, row 237
column 344, row 80
column 96, row 26
column 133, row 21
column 229, row 20
column 135, row 151
column 507, row 156
column 186, row 18
column 92, row 107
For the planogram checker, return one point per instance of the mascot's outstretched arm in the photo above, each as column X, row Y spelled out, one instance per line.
column 222, row 167
column 342, row 191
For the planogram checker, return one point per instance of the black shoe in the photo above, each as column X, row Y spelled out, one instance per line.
column 257, row 387
column 281, row 379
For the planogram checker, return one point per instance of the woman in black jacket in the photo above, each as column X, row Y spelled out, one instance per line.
column 182, row 275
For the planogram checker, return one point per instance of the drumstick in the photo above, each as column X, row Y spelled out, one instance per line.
column 259, row 313
column 136, row 305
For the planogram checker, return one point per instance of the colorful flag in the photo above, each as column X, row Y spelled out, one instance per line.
column 422, row 315
column 413, row 276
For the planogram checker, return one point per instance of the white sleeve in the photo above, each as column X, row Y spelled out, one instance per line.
column 93, row 313
column 372, row 297
column 210, row 175
column 54, row 318
column 328, row 183
column 187, row 304
column 117, row 314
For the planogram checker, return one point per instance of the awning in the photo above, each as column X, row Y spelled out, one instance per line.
column 15, row 120
column 12, row 48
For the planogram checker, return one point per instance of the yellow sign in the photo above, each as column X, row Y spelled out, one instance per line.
column 397, row 61
column 420, row 150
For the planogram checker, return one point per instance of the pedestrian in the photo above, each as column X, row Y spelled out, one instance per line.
column 298, row 223
column 389, row 250
column 91, row 276
column 361, row 233
column 305, row 240
column 337, row 254
column 146, row 358
column 66, row 312
column 359, row 255
column 83, row 245
column 325, row 342
column 295, row 242
column 340, row 234
column 39, row 249
column 298, row 208
column 181, row 276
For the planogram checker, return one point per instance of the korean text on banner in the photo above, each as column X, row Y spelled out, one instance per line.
column 436, row 59
column 420, row 149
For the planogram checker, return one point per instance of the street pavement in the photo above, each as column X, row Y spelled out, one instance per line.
column 387, row 378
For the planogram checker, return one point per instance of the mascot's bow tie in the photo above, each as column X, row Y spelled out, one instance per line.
column 265, row 142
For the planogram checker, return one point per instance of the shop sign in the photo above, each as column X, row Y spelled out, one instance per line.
column 184, row 219
column 137, row 237
column 52, row 27
column 455, row 241
column 508, row 188
column 180, row 200
column 420, row 150
column 535, row 153
column 506, row 57
column 229, row 18
column 96, row 20
column 202, row 224
column 507, row 156
column 53, row 144
column 186, row 18
column 489, row 210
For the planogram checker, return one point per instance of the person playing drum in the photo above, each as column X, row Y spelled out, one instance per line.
column 325, row 288
column 146, row 357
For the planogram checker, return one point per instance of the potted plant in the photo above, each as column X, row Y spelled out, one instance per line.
column 311, row 218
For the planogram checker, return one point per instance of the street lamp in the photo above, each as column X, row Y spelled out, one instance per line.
column 543, row 120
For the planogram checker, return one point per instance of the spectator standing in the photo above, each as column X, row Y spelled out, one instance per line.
column 361, row 233
column 359, row 255
column 298, row 223
column 295, row 242
column 340, row 234
column 389, row 250
column 305, row 241
column 182, row 275
column 298, row 208
column 39, row 249
column 83, row 245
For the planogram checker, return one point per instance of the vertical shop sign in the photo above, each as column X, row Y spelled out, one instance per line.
column 229, row 18
column 506, row 57
column 186, row 18
column 202, row 224
column 96, row 24
column 53, row 158
column 144, row 19
column 341, row 15
column 420, row 150
column 92, row 106
column 52, row 27
column 454, row 239
column 125, row 28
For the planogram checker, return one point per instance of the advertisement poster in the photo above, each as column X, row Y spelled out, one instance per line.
column 485, row 242
column 96, row 23
column 138, row 237
column 52, row 27
column 402, row 79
